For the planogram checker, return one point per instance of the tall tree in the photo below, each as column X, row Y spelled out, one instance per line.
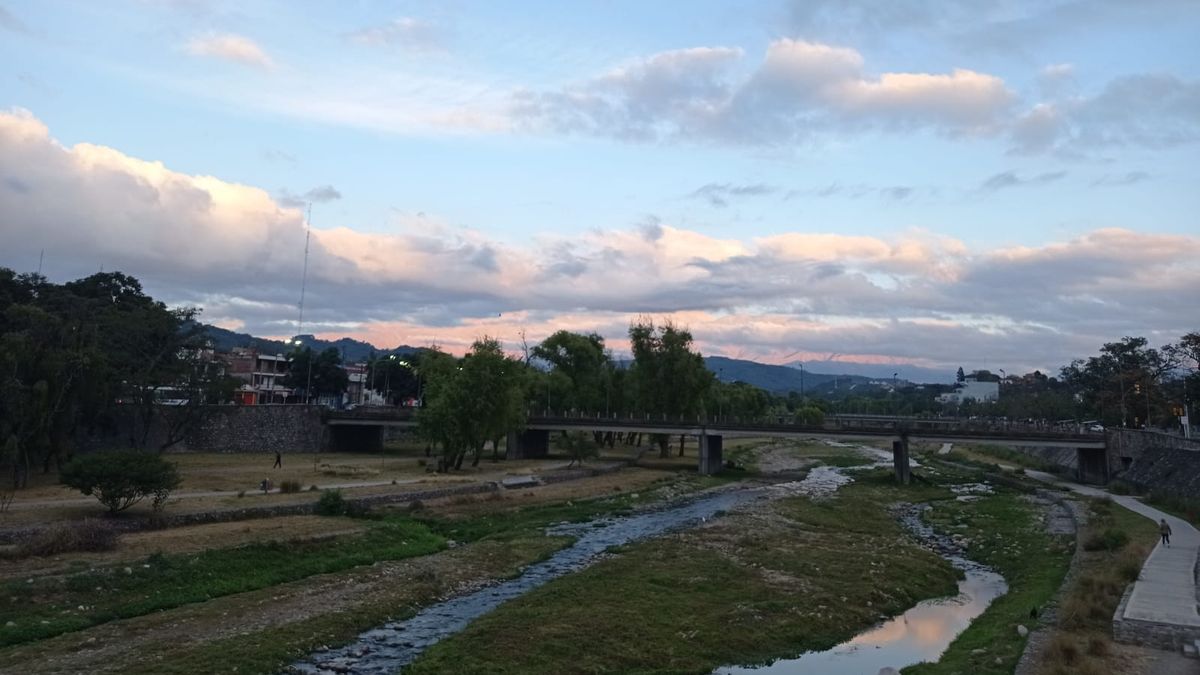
column 316, row 374
column 586, row 365
column 669, row 378
column 479, row 400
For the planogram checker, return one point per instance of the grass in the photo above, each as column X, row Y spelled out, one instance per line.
column 1005, row 533
column 1082, row 640
column 986, row 453
column 51, row 606
column 271, row 650
column 745, row 589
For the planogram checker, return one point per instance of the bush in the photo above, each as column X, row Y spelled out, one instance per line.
column 331, row 503
column 1109, row 540
column 122, row 478
column 288, row 487
column 71, row 537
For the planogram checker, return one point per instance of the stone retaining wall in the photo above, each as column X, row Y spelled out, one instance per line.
column 1171, row 471
column 1150, row 633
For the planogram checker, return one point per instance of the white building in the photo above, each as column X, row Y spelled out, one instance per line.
column 980, row 392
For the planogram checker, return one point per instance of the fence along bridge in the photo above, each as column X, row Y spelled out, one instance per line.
column 364, row 428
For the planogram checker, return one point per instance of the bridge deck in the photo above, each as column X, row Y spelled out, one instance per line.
column 917, row 430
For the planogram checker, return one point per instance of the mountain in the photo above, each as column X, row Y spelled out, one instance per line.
column 352, row 350
column 781, row 379
column 882, row 371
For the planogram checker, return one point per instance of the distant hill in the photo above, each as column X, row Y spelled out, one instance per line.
column 780, row 379
column 352, row 350
column 881, row 371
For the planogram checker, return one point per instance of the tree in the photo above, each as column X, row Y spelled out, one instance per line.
column 578, row 446
column 326, row 377
column 669, row 379
column 960, row 376
column 478, row 400
column 586, row 365
column 120, row 479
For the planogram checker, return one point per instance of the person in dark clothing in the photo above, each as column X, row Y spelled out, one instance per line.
column 278, row 460
column 1165, row 530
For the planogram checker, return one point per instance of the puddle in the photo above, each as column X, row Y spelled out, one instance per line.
column 920, row 634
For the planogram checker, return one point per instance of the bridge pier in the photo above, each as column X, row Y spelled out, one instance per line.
column 528, row 444
column 900, row 460
column 711, row 459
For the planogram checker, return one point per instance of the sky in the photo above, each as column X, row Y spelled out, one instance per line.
column 1001, row 185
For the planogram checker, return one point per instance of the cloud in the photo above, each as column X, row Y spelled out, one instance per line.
column 800, row 88
column 230, row 47
column 405, row 32
column 917, row 297
column 1149, row 110
column 9, row 22
column 1125, row 179
column 719, row 194
column 319, row 194
column 1008, row 179
column 276, row 155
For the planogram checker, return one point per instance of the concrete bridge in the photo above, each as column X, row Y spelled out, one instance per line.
column 364, row 428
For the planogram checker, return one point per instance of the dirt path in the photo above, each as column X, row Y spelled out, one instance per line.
column 382, row 588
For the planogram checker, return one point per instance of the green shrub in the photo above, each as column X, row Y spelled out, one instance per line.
column 1109, row 539
column 69, row 537
column 122, row 478
column 288, row 487
column 331, row 503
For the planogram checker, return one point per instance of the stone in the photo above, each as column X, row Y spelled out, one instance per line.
column 977, row 652
column 1022, row 630
column 10, row 624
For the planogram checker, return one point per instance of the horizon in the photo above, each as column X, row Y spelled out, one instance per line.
column 859, row 183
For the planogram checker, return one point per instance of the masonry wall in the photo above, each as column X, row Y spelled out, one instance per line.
column 224, row 428
column 1126, row 446
column 1168, row 470
column 256, row 428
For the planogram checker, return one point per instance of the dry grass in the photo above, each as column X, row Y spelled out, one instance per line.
column 1081, row 643
column 138, row 545
column 90, row 535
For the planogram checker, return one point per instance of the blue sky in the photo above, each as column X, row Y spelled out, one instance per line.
column 522, row 161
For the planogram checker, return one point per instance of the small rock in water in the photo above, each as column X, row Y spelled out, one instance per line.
column 1022, row 630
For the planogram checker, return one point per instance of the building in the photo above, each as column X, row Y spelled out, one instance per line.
column 260, row 375
column 971, row 389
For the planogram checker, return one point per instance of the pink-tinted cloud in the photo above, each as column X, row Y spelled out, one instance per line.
column 916, row 297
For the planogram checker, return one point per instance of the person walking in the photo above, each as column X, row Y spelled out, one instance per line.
column 278, row 460
column 1165, row 530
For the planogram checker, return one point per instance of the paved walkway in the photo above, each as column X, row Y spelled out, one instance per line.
column 1166, row 590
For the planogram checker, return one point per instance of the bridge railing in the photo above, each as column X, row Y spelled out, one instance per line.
column 997, row 428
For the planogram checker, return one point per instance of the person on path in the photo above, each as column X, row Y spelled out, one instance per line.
column 278, row 460
column 1165, row 530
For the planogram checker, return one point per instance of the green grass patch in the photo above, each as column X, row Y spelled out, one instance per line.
column 271, row 650
column 51, row 606
column 740, row 591
column 1005, row 533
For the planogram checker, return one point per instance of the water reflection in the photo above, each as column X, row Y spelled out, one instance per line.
column 920, row 634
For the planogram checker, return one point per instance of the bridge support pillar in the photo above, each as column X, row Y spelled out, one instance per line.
column 711, row 460
column 900, row 460
column 529, row 444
